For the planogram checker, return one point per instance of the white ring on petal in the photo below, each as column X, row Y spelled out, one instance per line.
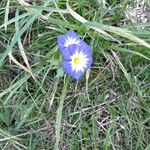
column 71, row 40
column 82, row 64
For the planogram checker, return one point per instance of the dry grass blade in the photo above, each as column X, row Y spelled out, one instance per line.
column 26, row 5
column 14, row 19
column 6, row 15
column 23, row 3
column 60, row 12
column 20, row 65
column 53, row 93
column 83, row 20
column 23, row 54
column 119, row 31
column 122, row 68
column 17, row 143
column 7, row 136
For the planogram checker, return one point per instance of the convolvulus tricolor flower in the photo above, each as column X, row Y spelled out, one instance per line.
column 77, row 54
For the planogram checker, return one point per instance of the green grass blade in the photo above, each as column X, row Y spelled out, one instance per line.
column 119, row 31
column 130, row 51
column 16, row 38
column 14, row 19
column 59, row 115
column 122, row 68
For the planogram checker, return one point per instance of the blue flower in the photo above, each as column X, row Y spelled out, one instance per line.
column 64, row 41
column 78, row 60
column 77, row 54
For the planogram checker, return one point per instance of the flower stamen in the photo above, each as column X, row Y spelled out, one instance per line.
column 76, row 60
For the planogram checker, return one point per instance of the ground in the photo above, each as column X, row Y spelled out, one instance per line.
column 43, row 108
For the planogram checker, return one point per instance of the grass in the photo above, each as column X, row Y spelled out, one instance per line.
column 43, row 108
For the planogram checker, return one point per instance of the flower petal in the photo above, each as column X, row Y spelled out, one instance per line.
column 72, row 34
column 86, row 48
column 78, row 75
column 77, row 54
column 77, row 70
column 68, row 69
column 88, row 51
column 69, row 52
column 64, row 41
column 61, row 40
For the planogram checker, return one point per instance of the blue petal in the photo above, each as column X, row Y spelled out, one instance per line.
column 90, row 61
column 67, row 58
column 78, row 75
column 70, row 51
column 72, row 34
column 85, row 47
column 62, row 38
column 67, row 68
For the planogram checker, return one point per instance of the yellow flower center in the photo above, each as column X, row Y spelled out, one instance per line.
column 76, row 60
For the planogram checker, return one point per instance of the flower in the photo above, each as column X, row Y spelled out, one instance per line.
column 77, row 54
column 64, row 41
column 78, row 60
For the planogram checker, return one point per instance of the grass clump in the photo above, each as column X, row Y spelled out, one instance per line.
column 43, row 108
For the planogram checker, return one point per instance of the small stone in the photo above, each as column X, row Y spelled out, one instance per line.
column 138, row 12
